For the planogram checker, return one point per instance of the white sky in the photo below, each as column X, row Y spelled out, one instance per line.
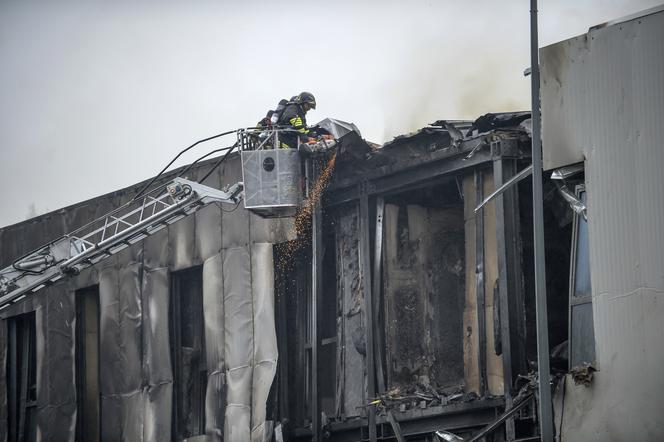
column 95, row 96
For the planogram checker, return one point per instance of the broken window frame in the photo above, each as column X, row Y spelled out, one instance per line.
column 187, row 286
column 88, row 419
column 21, row 377
column 580, row 239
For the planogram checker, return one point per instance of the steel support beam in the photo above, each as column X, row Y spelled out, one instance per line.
column 510, row 289
column 422, row 175
column 365, row 271
column 453, row 417
column 376, row 294
column 316, row 290
column 479, row 281
column 504, row 418
column 545, row 406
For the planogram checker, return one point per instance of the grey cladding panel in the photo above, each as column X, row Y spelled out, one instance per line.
column 208, row 231
column 159, row 377
column 130, row 318
column 157, row 421
column 238, row 323
column 213, row 309
column 59, row 363
column 155, row 329
column 182, row 243
column 265, row 339
column 109, row 335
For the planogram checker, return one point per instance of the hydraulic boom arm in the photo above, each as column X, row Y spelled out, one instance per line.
column 108, row 235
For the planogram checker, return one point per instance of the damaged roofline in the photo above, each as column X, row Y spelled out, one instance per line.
column 415, row 176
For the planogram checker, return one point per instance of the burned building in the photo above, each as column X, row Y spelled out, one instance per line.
column 399, row 304
column 401, row 307
column 422, row 305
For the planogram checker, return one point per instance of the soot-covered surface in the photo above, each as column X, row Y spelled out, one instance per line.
column 424, row 293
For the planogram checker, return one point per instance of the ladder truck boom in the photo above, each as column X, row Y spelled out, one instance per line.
column 108, row 235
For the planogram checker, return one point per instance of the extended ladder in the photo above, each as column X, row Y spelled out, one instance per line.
column 108, row 235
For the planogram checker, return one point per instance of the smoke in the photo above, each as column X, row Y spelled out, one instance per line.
column 447, row 84
column 494, row 85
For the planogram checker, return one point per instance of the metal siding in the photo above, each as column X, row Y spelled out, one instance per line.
column 135, row 369
column 606, row 106
column 265, row 338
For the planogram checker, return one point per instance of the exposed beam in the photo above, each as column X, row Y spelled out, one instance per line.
column 408, row 177
column 464, row 415
column 510, row 290
column 479, row 280
column 365, row 271
column 545, row 406
column 377, row 268
column 316, row 289
column 503, row 418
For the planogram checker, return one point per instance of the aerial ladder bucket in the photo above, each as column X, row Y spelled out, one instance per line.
column 272, row 181
column 273, row 177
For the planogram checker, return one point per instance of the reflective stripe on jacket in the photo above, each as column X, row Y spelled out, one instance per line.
column 294, row 117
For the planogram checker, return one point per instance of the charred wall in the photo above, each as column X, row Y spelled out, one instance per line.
column 351, row 381
column 424, row 294
column 449, row 301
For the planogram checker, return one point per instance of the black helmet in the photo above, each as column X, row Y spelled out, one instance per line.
column 306, row 97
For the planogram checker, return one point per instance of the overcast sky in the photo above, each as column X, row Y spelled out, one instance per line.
column 95, row 96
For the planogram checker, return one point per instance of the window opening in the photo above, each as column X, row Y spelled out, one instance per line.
column 292, row 283
column 87, row 364
column 22, row 378
column 582, row 334
column 187, row 335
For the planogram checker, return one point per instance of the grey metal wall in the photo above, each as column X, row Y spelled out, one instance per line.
column 603, row 101
column 235, row 250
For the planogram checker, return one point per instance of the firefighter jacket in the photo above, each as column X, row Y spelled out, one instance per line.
column 294, row 116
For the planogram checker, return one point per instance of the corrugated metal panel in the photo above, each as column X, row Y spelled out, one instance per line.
column 603, row 101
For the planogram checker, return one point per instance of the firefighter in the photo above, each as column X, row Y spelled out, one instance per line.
column 294, row 116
